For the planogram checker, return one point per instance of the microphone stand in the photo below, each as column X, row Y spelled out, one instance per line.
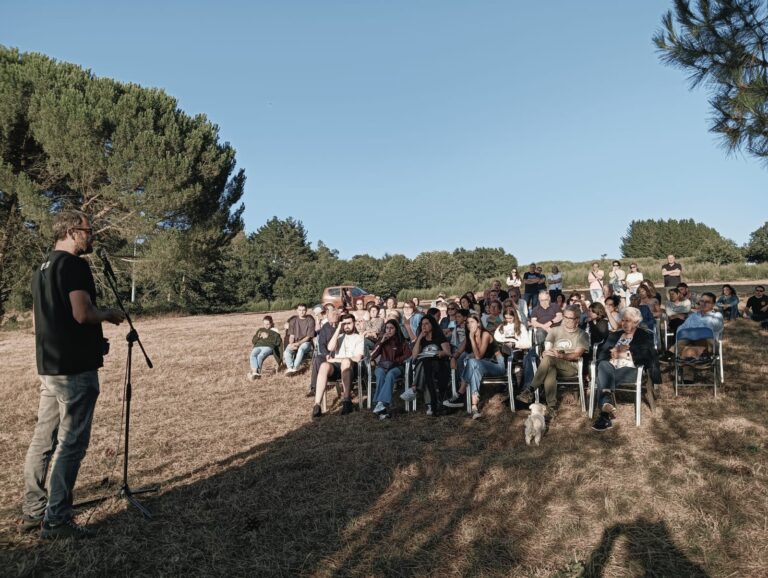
column 132, row 337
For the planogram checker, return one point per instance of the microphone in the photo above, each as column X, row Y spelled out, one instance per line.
column 102, row 254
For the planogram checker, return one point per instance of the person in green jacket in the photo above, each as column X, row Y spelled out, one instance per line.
column 266, row 342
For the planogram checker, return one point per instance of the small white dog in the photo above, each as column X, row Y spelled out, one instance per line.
column 535, row 425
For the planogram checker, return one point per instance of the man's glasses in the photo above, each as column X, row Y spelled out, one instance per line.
column 706, row 302
column 88, row 230
column 570, row 318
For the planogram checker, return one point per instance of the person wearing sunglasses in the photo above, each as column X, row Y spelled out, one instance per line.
column 757, row 307
column 706, row 316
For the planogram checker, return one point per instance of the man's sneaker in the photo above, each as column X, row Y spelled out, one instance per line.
column 429, row 409
column 311, row 392
column 380, row 408
column 290, row 371
column 525, row 396
column 30, row 523
column 476, row 413
column 68, row 529
column 346, row 407
column 317, row 411
column 609, row 409
column 383, row 416
column 408, row 395
column 458, row 400
column 603, row 422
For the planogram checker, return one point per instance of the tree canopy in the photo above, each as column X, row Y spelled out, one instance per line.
column 683, row 238
column 721, row 44
column 151, row 177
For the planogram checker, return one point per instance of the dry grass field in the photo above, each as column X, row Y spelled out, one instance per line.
column 251, row 486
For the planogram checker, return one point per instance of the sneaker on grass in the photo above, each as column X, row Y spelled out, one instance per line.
column 476, row 413
column 525, row 396
column 380, row 408
column 408, row 395
column 68, row 529
column 603, row 422
column 458, row 400
column 429, row 409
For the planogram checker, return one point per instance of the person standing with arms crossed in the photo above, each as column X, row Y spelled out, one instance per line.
column 70, row 349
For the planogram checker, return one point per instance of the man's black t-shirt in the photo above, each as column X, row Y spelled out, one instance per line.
column 64, row 346
column 533, row 288
column 672, row 280
column 755, row 304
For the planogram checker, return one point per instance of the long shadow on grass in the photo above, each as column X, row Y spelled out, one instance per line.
column 650, row 552
column 355, row 496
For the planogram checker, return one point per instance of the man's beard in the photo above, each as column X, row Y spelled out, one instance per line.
column 85, row 248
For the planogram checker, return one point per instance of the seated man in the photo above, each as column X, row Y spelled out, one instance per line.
column 706, row 316
column 687, row 295
column 677, row 310
column 545, row 316
column 301, row 331
column 757, row 307
column 323, row 338
column 563, row 348
column 345, row 352
column 266, row 342
column 493, row 318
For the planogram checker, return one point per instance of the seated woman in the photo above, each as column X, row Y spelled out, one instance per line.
column 647, row 297
column 486, row 359
column 612, row 312
column 646, row 315
column 728, row 303
column 431, row 370
column 513, row 333
column 266, row 342
column 372, row 326
column 598, row 326
column 617, row 362
column 389, row 355
column 560, row 300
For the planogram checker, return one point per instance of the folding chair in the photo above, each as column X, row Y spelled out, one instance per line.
column 578, row 381
column 635, row 387
column 337, row 383
column 713, row 362
column 404, row 380
column 507, row 379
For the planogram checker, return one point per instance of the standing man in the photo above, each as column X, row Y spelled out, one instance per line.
column 672, row 272
column 531, row 284
column 301, row 331
column 70, row 349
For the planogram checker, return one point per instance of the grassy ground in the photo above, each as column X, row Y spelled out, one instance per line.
column 250, row 485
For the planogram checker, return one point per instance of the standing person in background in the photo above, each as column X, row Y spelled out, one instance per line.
column 70, row 349
column 617, row 278
column 513, row 280
column 634, row 278
column 542, row 286
column 595, row 280
column 672, row 271
column 531, row 283
column 555, row 283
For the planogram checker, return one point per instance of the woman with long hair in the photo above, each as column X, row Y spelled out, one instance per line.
column 728, row 303
column 431, row 372
column 513, row 279
column 598, row 326
column 486, row 359
column 612, row 313
column 555, row 283
column 389, row 355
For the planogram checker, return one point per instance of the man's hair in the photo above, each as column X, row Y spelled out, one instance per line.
column 710, row 295
column 268, row 318
column 463, row 312
column 346, row 316
column 544, row 293
column 575, row 309
column 66, row 220
column 304, row 305
column 682, row 284
column 759, row 287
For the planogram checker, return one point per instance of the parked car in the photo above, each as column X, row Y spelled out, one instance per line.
column 334, row 295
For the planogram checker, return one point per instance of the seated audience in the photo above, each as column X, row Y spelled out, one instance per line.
column 389, row 356
column 598, row 326
column 686, row 293
column 563, row 348
column 301, row 331
column 706, row 316
column 372, row 326
column 648, row 299
column 728, row 303
column 613, row 315
column 493, row 318
column 323, row 337
column 266, row 342
column 411, row 320
column 560, row 301
column 617, row 362
column 677, row 309
column 346, row 350
column 512, row 334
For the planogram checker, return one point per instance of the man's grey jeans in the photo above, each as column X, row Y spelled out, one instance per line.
column 59, row 443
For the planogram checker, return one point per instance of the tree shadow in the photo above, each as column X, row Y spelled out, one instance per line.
column 342, row 496
column 650, row 551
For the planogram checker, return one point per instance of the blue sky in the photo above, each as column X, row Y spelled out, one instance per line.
column 409, row 126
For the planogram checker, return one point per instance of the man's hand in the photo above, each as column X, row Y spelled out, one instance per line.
column 550, row 353
column 114, row 316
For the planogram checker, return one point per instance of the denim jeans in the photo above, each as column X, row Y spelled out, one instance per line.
column 532, row 299
column 476, row 369
column 61, row 437
column 293, row 358
column 607, row 378
column 385, row 381
column 259, row 354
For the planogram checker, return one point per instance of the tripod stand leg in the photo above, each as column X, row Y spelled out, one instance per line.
column 128, row 495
